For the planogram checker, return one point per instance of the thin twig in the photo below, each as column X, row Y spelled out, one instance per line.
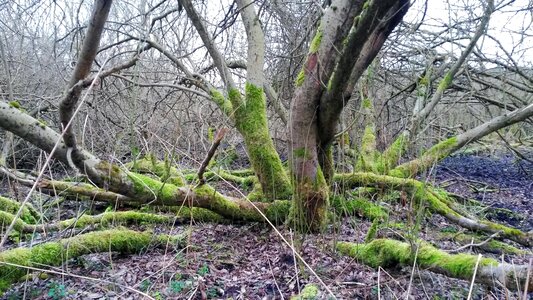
column 473, row 278
column 211, row 153
column 493, row 236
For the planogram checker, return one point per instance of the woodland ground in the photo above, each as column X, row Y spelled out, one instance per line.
column 251, row 261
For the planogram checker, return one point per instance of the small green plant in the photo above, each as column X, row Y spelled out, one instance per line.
column 56, row 291
column 145, row 285
column 449, row 229
column 14, row 296
column 177, row 287
column 203, row 270
column 212, row 293
column 158, row 296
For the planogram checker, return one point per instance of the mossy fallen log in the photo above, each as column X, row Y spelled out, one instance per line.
column 56, row 253
column 388, row 253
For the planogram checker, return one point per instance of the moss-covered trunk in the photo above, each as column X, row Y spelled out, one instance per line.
column 310, row 198
column 251, row 122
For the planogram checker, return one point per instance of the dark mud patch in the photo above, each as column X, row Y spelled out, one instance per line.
column 501, row 181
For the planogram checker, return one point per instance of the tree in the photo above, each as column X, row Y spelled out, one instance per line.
column 347, row 40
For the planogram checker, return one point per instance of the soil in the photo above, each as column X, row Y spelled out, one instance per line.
column 252, row 261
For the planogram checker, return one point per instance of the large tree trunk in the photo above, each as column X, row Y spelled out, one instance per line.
column 319, row 97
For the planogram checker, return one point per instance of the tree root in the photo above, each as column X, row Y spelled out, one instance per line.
column 56, row 253
column 391, row 253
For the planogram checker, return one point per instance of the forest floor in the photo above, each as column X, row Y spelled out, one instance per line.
column 252, row 262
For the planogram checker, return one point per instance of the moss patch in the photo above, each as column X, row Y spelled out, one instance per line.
column 29, row 215
column 309, row 292
column 223, row 103
column 300, row 78
column 445, row 82
column 317, row 40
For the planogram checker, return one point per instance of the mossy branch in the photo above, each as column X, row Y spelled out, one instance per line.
column 139, row 189
column 162, row 169
column 434, row 200
column 107, row 219
column 56, row 253
column 428, row 159
column 391, row 253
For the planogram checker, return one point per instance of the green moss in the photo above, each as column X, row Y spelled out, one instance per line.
column 360, row 206
column 147, row 187
column 391, row 253
column 369, row 155
column 278, row 211
column 300, row 78
column 223, row 103
column 424, row 81
column 224, row 206
column 210, row 133
column 315, row 43
column 199, row 214
column 356, row 20
column 366, row 4
column 55, row 253
column 506, row 231
column 445, row 82
column 163, row 169
column 309, row 210
column 428, row 159
column 391, row 156
column 15, row 104
column 369, row 139
column 11, row 206
column 6, row 219
column 492, row 246
column 367, row 103
column 309, row 292
column 42, row 123
column 301, row 153
column 372, row 231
